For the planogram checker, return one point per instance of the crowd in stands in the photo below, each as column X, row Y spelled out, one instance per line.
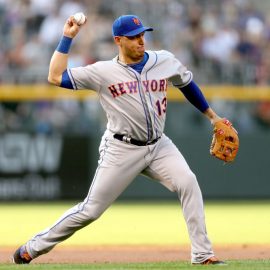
column 222, row 42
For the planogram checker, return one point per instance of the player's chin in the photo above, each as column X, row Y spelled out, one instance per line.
column 140, row 52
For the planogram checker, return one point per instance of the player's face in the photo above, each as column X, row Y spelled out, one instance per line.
column 131, row 48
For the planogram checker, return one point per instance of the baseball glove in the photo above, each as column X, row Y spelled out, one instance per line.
column 225, row 142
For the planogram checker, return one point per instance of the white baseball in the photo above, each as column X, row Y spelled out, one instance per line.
column 80, row 18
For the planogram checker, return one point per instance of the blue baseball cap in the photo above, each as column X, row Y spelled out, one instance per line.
column 128, row 25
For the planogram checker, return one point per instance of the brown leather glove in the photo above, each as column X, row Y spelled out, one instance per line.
column 225, row 142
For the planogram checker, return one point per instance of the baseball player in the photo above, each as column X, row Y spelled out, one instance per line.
column 132, row 90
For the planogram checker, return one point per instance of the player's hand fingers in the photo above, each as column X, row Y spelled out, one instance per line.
column 70, row 21
column 73, row 20
column 71, row 28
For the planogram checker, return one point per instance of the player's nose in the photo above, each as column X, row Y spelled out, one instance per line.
column 141, row 40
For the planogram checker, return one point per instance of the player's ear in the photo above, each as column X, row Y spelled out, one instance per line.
column 117, row 40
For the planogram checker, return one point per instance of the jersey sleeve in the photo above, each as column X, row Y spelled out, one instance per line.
column 181, row 75
column 85, row 77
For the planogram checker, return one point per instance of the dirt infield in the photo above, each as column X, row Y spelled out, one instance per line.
column 105, row 254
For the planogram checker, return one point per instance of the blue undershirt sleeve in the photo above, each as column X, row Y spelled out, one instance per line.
column 195, row 96
column 66, row 82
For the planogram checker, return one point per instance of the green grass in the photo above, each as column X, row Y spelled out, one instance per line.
column 238, row 222
column 232, row 265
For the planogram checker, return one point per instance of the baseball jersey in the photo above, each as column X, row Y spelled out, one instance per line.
column 135, row 104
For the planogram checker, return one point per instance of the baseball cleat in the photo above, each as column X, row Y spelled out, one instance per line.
column 21, row 256
column 212, row 260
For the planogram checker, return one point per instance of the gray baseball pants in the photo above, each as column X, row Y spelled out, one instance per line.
column 118, row 165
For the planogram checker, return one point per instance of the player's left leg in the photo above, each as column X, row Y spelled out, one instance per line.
column 169, row 167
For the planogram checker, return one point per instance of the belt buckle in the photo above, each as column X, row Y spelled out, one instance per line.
column 127, row 139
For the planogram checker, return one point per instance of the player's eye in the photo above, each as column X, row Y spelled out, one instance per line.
column 131, row 38
column 136, row 37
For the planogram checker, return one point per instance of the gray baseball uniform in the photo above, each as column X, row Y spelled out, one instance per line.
column 133, row 143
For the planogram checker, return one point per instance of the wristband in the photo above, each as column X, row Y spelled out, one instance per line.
column 64, row 45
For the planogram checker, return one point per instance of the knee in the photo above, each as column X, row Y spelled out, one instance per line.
column 91, row 212
column 188, row 182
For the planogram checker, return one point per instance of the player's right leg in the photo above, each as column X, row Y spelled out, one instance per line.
column 119, row 164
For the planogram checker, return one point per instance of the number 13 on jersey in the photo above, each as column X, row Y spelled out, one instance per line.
column 161, row 106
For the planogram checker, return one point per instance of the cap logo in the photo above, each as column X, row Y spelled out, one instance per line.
column 136, row 21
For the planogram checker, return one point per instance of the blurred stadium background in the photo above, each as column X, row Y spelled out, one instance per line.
column 49, row 137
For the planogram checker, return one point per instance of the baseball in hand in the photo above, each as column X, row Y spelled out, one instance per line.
column 80, row 18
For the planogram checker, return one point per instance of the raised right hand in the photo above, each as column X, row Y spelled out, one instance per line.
column 71, row 28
